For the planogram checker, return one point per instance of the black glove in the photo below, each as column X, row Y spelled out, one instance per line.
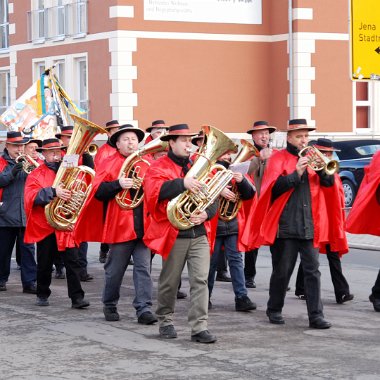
column 17, row 168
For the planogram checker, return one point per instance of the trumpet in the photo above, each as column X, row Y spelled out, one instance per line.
column 28, row 163
column 92, row 149
column 318, row 161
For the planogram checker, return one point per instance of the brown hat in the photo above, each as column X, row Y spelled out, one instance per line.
column 127, row 128
column 112, row 124
column 157, row 124
column 50, row 144
column 66, row 130
column 260, row 125
column 178, row 130
column 297, row 124
column 16, row 138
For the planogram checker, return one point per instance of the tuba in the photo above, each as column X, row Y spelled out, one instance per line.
column 132, row 168
column 61, row 214
column 28, row 163
column 213, row 177
column 318, row 161
column 229, row 209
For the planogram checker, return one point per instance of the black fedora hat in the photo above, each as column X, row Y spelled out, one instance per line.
column 112, row 124
column 260, row 125
column 16, row 138
column 127, row 128
column 198, row 137
column 178, row 130
column 325, row 145
column 66, row 130
column 50, row 144
column 297, row 124
column 37, row 141
column 157, row 124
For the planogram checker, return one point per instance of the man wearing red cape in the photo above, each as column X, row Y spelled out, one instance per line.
column 164, row 181
column 103, row 219
column 332, row 240
column 39, row 193
column 289, row 210
column 364, row 215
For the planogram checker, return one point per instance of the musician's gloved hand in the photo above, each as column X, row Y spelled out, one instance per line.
column 17, row 168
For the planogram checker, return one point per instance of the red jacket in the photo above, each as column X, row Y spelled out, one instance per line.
column 364, row 217
column 37, row 227
column 105, row 151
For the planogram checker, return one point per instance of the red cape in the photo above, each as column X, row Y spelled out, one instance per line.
column 264, row 228
column 364, row 217
column 103, row 153
column 117, row 226
column 37, row 227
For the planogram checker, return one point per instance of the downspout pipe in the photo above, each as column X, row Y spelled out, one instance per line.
column 290, row 45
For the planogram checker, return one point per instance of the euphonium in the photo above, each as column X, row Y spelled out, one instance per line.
column 61, row 214
column 318, row 161
column 213, row 177
column 132, row 168
column 28, row 163
column 228, row 209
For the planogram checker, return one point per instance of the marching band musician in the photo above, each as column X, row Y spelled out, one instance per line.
column 104, row 152
column 31, row 149
column 12, row 215
column 164, row 181
column 122, row 228
column 333, row 240
column 289, row 208
column 38, row 193
column 364, row 215
column 260, row 132
column 227, row 236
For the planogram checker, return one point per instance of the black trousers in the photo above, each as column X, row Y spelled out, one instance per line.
column 46, row 251
column 284, row 256
column 250, row 258
column 376, row 287
column 340, row 283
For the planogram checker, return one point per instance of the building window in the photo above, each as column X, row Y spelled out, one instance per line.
column 60, row 14
column 80, row 17
column 81, row 64
column 4, row 25
column 5, row 91
column 362, row 105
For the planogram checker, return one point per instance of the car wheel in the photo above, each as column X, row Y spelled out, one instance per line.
column 349, row 192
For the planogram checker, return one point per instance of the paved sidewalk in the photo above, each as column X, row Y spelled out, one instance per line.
column 364, row 241
column 57, row 342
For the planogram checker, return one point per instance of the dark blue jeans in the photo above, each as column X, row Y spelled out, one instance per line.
column 8, row 237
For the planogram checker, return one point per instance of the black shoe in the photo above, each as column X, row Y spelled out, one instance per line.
column 110, row 313
column 275, row 318
column 344, row 298
column 80, row 303
column 222, row 276
column 42, row 301
column 319, row 323
column 375, row 301
column 181, row 295
column 203, row 337
column 250, row 284
column 167, row 332
column 301, row 297
column 30, row 289
column 87, row 277
column 3, row 287
column 60, row 274
column 147, row 318
column 102, row 257
column 243, row 303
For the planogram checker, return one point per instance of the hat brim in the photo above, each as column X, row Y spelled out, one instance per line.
column 58, row 135
column 262, row 127
column 301, row 127
column 20, row 142
column 150, row 128
column 139, row 133
column 169, row 136
column 326, row 149
column 37, row 141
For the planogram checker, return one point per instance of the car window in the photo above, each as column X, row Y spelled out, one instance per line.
column 335, row 156
column 367, row 150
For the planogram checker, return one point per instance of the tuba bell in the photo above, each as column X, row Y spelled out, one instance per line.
column 228, row 209
column 213, row 177
column 318, row 161
column 132, row 168
column 61, row 214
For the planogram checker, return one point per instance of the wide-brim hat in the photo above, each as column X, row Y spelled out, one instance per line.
column 37, row 141
column 199, row 136
column 325, row 145
column 16, row 138
column 298, row 124
column 50, row 144
column 112, row 124
column 260, row 125
column 66, row 130
column 178, row 130
column 127, row 128
column 157, row 124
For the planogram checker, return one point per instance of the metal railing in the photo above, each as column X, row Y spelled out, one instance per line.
column 58, row 22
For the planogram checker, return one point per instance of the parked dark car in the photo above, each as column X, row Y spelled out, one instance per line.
column 354, row 155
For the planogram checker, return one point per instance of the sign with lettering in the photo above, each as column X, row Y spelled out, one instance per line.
column 365, row 40
column 215, row 11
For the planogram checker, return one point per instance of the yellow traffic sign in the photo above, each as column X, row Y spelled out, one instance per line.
column 365, row 39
